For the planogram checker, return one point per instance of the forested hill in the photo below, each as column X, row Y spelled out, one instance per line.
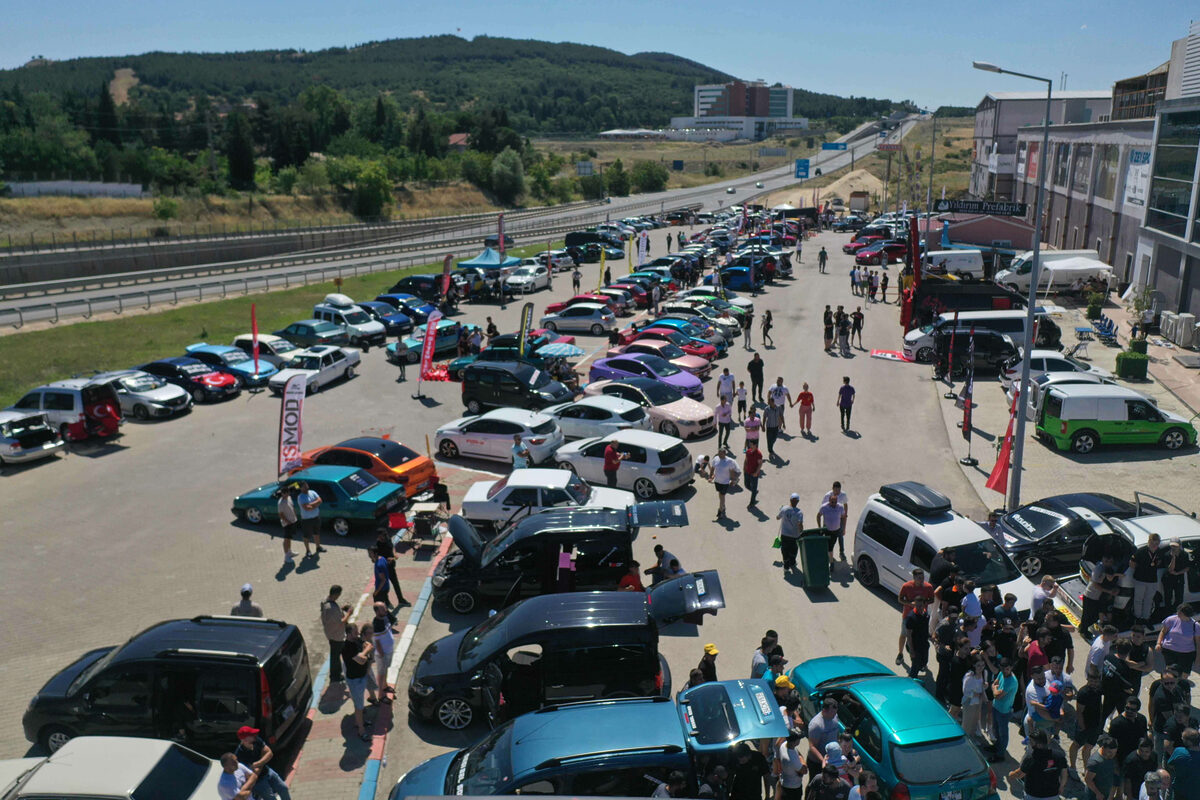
column 545, row 87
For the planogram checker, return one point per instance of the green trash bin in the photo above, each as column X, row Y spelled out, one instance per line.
column 814, row 558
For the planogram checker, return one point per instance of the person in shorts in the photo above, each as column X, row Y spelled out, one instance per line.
column 724, row 473
column 360, row 680
column 288, row 519
column 310, row 518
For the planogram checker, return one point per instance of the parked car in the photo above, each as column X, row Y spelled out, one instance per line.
column 659, row 348
column 1048, row 535
column 351, row 499
column 901, row 733
column 314, row 333
column 144, row 396
column 861, row 241
column 599, row 299
column 200, row 380
column 427, row 287
column 524, row 492
column 505, row 355
column 493, row 241
column 447, row 332
column 362, row 330
column 80, row 408
column 620, row 300
column 693, row 327
column 707, row 295
column 670, row 412
column 115, row 768
column 229, row 671
column 1080, row 418
column 1123, row 537
column 656, row 464
column 593, row 318
column 725, row 324
column 487, row 384
column 1042, row 383
column 560, row 260
column 598, row 415
column 386, row 459
column 232, row 361
column 528, row 279
column 647, row 366
column 490, row 435
column 876, row 252
column 320, row 366
column 410, row 305
column 991, row 351
column 27, row 436
column 1050, row 362
column 605, row 747
column 693, row 347
column 714, row 303
column 641, row 298
column 275, row 350
column 394, row 321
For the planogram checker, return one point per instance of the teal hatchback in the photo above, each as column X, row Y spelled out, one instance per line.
column 350, row 498
column 902, row 733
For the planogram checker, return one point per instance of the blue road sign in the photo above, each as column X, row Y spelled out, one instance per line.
column 801, row 167
column 833, row 145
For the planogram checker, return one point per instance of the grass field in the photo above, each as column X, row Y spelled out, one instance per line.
column 37, row 357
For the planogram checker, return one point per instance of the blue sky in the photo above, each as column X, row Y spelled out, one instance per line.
column 920, row 50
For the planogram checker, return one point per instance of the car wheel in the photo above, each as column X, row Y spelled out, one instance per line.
column 198, row 395
column 448, row 449
column 349, row 373
column 597, row 329
column 341, row 526
column 54, row 737
column 669, row 428
column 140, row 412
column 412, row 357
column 645, row 489
column 1083, row 442
column 868, row 573
column 454, row 713
column 1030, row 566
column 254, row 515
column 463, row 601
column 473, row 406
column 550, row 326
column 568, row 466
column 1174, row 439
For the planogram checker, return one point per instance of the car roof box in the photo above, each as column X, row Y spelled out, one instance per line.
column 338, row 300
column 915, row 498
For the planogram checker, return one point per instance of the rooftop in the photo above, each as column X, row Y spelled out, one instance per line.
column 1062, row 94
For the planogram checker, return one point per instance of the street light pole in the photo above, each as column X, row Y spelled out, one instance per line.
column 929, row 198
column 1018, row 451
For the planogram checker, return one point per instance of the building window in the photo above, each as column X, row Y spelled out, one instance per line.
column 1082, row 169
column 1173, row 178
column 1062, row 164
column 1108, row 159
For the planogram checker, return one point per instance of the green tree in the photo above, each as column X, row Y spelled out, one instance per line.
column 617, row 179
column 592, row 187
column 107, row 124
column 314, row 177
column 372, row 190
column 648, row 176
column 330, row 112
column 239, row 149
column 287, row 179
column 508, row 176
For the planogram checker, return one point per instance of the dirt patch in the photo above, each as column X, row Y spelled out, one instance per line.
column 859, row 180
column 123, row 80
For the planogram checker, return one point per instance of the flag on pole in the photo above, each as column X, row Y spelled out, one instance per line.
column 254, row 335
column 969, row 388
column 427, row 346
column 526, row 325
column 446, row 274
column 600, row 280
column 950, row 354
column 500, row 221
column 998, row 480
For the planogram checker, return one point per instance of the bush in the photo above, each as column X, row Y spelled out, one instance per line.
column 1132, row 366
column 1095, row 302
column 592, row 187
column 285, row 181
column 648, row 176
column 1138, row 345
column 166, row 208
column 713, row 170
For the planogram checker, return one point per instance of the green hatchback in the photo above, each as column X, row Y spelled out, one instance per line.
column 350, row 498
column 1079, row 417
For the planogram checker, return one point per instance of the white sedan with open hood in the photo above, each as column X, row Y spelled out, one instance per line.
column 528, row 491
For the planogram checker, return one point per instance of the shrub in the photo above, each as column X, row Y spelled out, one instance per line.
column 1095, row 302
column 166, row 208
column 1132, row 366
column 649, row 176
column 1138, row 345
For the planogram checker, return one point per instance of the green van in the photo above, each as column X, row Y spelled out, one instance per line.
column 1079, row 417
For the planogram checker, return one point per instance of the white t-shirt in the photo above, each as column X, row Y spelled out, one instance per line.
column 230, row 783
column 725, row 384
column 1098, row 652
column 791, row 766
column 741, row 393
column 1035, row 694
column 724, row 413
column 841, row 500
column 971, row 607
column 723, row 469
column 831, row 517
column 778, row 394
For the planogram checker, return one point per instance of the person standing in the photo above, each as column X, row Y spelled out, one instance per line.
column 845, row 402
column 842, row 320
column 379, row 584
column 310, row 518
column 333, row 620
column 612, row 463
column 1177, row 639
column 1043, row 768
column 254, row 753
column 724, row 472
column 576, row 278
column 910, row 592
column 607, row 275
column 780, row 394
column 1184, row 764
column 521, row 457
column 383, row 546
column 655, row 298
column 356, row 658
column 384, row 636
column 752, row 469
column 288, row 519
column 807, row 402
column 1146, row 562
column 916, row 632
column 883, row 284
column 836, row 496
column 791, row 523
column 1089, row 718
column 1100, row 777
column 723, row 414
column 748, row 331
column 822, row 260
column 401, row 359
column 755, row 369
column 827, row 320
column 752, row 425
column 773, row 424
column 791, row 767
column 766, row 329
column 708, row 663
column 741, row 400
column 854, row 280
column 856, row 325
column 1174, row 573
column 823, row 728
column 725, row 385
column 247, row 607
column 832, row 519
column 1004, row 693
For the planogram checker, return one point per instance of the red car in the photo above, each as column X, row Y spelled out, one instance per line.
column 680, row 340
column 872, row 254
column 641, row 298
column 854, row 247
column 604, row 299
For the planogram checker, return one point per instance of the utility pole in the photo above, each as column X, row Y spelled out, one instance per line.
column 212, row 153
column 887, row 180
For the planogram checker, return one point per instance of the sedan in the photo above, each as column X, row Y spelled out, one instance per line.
column 312, row 332
column 688, row 344
column 1043, row 362
column 647, row 366
column 598, row 415
column 590, row 318
column 272, row 349
column 528, row 279
column 490, row 435
column 852, row 248
column 320, row 366
column 351, row 498
column 386, row 459
column 200, row 380
column 145, row 396
column 874, row 254
column 1047, row 536
column 706, row 294
column 233, row 361
column 655, row 464
column 411, row 306
column 700, row 367
column 599, row 299
column 525, row 492
column 725, row 324
column 696, row 328
column 670, row 412
column 394, row 321
column 560, row 260
column 641, row 298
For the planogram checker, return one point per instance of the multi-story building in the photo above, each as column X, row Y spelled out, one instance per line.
column 742, row 99
column 1135, row 98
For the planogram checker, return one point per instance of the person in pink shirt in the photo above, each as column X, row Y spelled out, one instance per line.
column 1177, row 639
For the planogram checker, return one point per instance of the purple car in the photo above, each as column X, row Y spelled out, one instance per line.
column 644, row 365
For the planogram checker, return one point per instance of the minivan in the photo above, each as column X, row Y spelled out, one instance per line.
column 963, row 263
column 192, row 680
column 362, row 330
column 1080, row 417
column 79, row 407
column 918, row 343
column 493, row 384
column 1017, row 275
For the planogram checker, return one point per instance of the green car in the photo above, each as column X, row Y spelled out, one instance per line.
column 505, row 354
column 351, row 498
column 1079, row 417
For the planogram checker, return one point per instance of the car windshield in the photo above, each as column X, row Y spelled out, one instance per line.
column 660, row 394
column 195, row 369
column 525, row 271
column 176, row 776
column 934, row 762
column 671, row 351
column 710, row 715
column 1082, row 366
column 660, row 366
column 497, row 486
column 985, row 562
column 281, row 346
column 1034, row 521
column 579, row 491
column 307, row 362
column 235, row 357
column 142, row 383
column 326, row 327
column 485, row 769
column 480, row 640
column 359, row 482
column 397, row 454
column 357, row 317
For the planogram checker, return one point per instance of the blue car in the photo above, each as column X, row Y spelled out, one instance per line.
column 395, row 322
column 738, row 279
column 618, row 747
column 411, row 306
column 695, row 329
column 447, row 339
column 351, row 499
column 902, row 733
column 233, row 361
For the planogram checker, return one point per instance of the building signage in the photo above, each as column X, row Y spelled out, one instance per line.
column 1001, row 162
column 1031, row 171
column 833, row 145
column 801, row 168
column 888, row 148
column 584, row 168
column 997, row 209
column 1137, row 177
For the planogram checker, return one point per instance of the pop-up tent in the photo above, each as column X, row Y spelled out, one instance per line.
column 491, row 259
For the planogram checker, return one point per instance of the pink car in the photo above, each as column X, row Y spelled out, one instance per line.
column 700, row 367
column 669, row 411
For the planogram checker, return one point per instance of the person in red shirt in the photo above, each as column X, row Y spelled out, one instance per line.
column 807, row 403
column 631, row 581
column 612, row 462
column 918, row 587
column 752, row 469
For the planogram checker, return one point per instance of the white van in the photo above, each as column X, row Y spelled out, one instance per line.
column 963, row 263
column 361, row 329
column 918, row 343
column 1016, row 277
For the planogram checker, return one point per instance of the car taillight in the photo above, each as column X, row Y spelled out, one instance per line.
column 537, row 441
column 658, row 679
column 992, row 778
column 664, row 470
column 266, row 706
column 900, row 792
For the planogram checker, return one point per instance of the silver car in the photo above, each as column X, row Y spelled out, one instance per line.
column 27, row 436
column 144, row 396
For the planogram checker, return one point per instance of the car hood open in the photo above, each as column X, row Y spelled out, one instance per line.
column 468, row 540
column 688, row 597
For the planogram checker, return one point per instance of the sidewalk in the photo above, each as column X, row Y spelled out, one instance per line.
column 1181, row 381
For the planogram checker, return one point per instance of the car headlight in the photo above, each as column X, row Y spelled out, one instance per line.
column 32, row 702
column 420, row 689
column 438, row 580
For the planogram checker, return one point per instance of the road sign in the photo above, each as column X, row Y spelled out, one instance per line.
column 886, row 147
column 801, row 167
column 833, row 145
column 998, row 209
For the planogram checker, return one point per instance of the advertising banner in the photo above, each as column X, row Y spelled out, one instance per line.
column 429, row 343
column 500, row 220
column 1137, row 177
column 291, row 428
column 446, row 273
column 254, row 335
column 526, row 325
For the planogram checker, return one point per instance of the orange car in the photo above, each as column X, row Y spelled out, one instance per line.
column 386, row 459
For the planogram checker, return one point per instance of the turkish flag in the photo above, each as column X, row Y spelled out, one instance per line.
column 998, row 480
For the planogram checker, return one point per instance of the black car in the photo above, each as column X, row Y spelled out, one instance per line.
column 196, row 377
column 494, row 384
column 493, row 241
column 562, row 648
column 522, row 560
column 1048, row 535
column 426, row 287
column 993, row 351
column 193, row 680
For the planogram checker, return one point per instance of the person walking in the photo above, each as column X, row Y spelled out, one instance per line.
column 755, row 369
column 753, row 427
column 1177, row 639
column 612, row 463
column 724, row 417
column 779, row 393
column 916, row 635
column 807, row 402
column 845, row 402
column 828, row 323
column 833, row 520
column 255, row 754
column 708, row 663
column 766, row 329
column 310, row 518
column 752, row 470
column 856, row 325
column 748, row 331
column 854, row 280
column 576, row 278
column 910, row 592
column 791, row 523
column 334, row 618
column 1043, row 769
column 288, row 519
column 874, row 286
column 383, row 546
column 724, row 473
column 360, row 678
column 741, row 400
column 401, row 359
column 822, row 260
column 772, row 423
column 247, row 607
column 725, row 385
column 383, row 632
column 836, row 495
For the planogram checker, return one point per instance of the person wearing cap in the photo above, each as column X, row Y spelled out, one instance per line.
column 784, row 690
column 823, row 728
column 836, row 758
column 1175, row 568
column 791, row 523
column 790, row 768
column 708, row 662
column 236, row 781
column 247, row 607
column 910, row 591
column 255, row 754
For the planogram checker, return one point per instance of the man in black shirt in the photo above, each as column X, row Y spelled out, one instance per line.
column 748, row 780
column 1171, row 732
column 943, row 564
column 1118, row 681
column 1044, row 767
column 916, row 625
column 755, row 368
column 1175, row 563
column 1166, row 693
column 827, row 786
column 1136, row 765
column 1061, row 641
column 1089, row 704
column 1146, row 562
column 254, row 753
column 944, row 637
column 1128, row 728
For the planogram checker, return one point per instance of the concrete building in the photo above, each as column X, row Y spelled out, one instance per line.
column 730, row 128
column 742, row 99
column 998, row 118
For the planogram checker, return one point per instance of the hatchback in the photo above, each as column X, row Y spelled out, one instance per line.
column 645, row 365
column 490, row 435
column 598, row 415
column 592, row 318
column 655, row 464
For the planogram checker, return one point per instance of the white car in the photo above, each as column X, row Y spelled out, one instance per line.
column 599, row 415
column 112, row 767
column 490, row 435
column 528, row 491
column 707, row 291
column 657, row 464
column 528, row 278
column 1044, row 362
column 143, row 395
column 271, row 348
column 590, row 318
column 559, row 259
column 27, row 436
column 1033, row 399
column 320, row 366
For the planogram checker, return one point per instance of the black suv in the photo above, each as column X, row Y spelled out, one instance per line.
column 554, row 649
column 426, row 287
column 992, row 351
column 523, row 560
column 195, row 681
column 494, row 385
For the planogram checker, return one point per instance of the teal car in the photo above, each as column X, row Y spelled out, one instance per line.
column 351, row 499
column 447, row 339
column 508, row 355
column 902, row 733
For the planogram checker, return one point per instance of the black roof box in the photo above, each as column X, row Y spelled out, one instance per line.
column 915, row 498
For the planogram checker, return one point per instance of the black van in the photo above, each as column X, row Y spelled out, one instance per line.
column 427, row 287
column 523, row 559
column 195, row 681
column 992, row 351
column 494, row 385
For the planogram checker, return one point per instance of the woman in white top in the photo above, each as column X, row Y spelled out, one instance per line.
column 790, row 767
column 974, row 683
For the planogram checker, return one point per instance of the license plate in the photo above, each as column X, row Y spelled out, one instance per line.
column 700, row 590
column 955, row 794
